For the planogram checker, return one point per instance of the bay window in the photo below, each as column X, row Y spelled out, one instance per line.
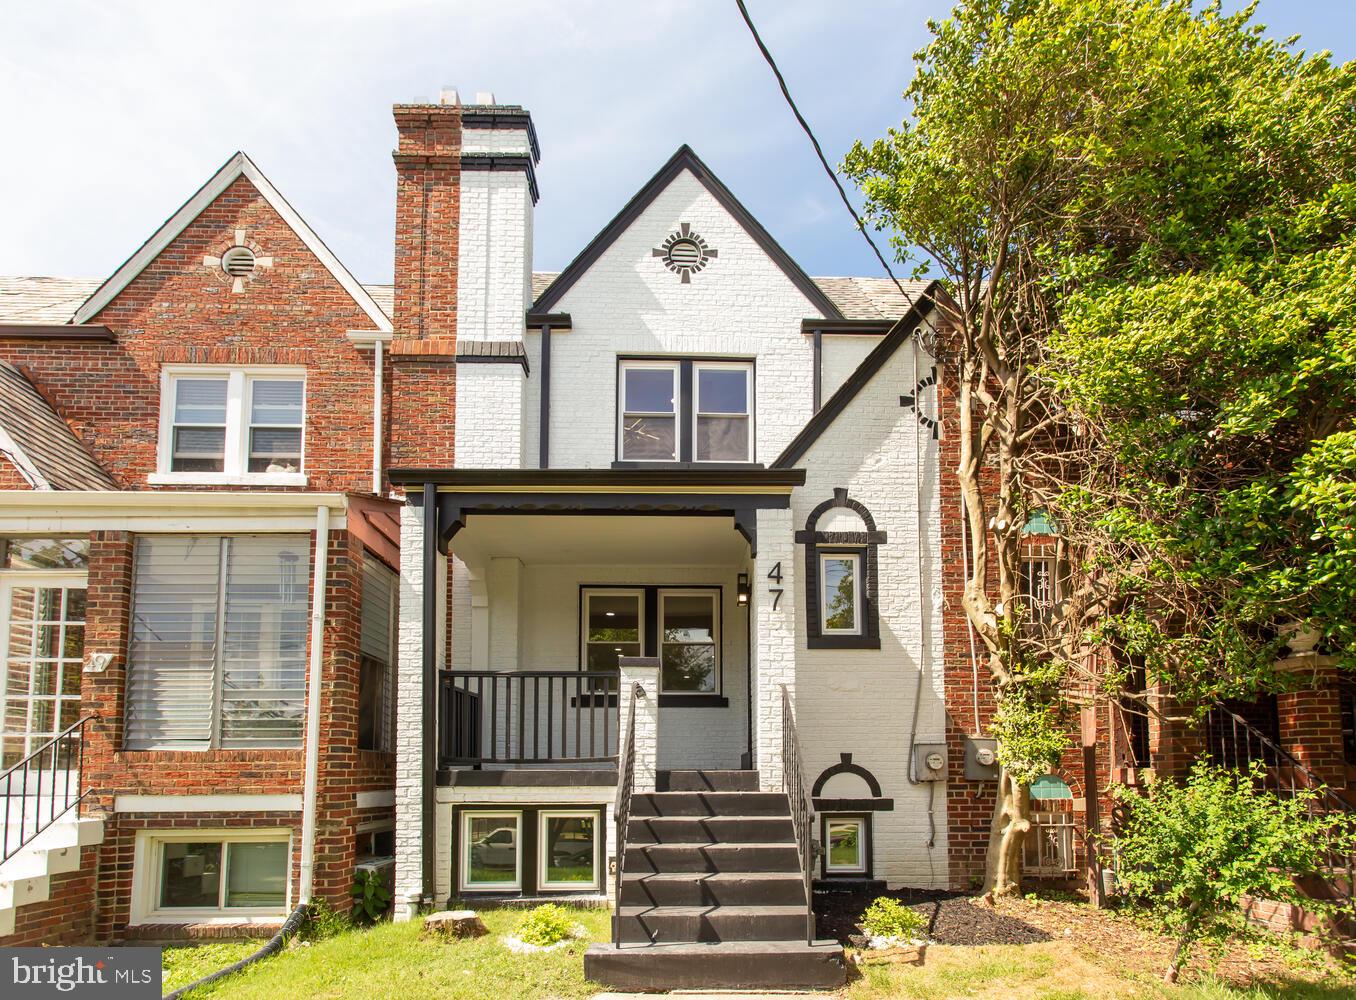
column 218, row 649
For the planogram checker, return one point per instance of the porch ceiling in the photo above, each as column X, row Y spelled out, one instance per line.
column 565, row 539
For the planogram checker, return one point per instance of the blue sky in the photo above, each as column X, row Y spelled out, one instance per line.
column 118, row 112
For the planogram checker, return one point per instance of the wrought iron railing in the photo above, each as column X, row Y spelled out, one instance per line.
column 47, row 783
column 621, row 813
column 526, row 717
column 1236, row 743
column 793, row 783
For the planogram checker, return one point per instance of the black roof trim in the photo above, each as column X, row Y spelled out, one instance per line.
column 485, row 480
column 556, row 321
column 857, row 326
column 683, row 159
column 56, row 331
column 872, row 363
column 502, row 161
column 503, row 117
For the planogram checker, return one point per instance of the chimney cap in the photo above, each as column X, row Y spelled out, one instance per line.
column 449, row 95
column 484, row 96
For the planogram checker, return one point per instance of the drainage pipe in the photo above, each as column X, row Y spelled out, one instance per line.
column 311, row 788
column 290, row 926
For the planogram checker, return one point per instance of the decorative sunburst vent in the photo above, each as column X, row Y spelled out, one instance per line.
column 684, row 252
column 238, row 262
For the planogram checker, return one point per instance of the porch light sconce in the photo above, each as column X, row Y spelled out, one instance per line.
column 742, row 591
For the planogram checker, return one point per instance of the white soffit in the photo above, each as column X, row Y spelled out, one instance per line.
column 237, row 165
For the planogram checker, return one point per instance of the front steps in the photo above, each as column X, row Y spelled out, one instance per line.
column 26, row 877
column 712, row 894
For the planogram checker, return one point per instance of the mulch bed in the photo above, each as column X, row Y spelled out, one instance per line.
column 954, row 918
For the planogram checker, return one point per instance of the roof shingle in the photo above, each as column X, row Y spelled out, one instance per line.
column 46, row 441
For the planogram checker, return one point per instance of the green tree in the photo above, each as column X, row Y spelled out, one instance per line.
column 1122, row 197
column 1192, row 852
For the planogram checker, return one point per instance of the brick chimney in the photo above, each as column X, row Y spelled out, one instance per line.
column 424, row 351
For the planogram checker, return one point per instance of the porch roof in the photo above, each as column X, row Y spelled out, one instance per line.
column 679, row 479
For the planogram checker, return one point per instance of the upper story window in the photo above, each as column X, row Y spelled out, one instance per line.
column 232, row 425
column 685, row 410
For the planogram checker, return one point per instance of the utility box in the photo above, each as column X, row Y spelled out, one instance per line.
column 929, row 762
column 981, row 759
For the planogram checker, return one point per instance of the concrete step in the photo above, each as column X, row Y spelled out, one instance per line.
column 781, row 965
column 714, row 889
column 677, row 924
column 23, row 891
column 706, row 781
column 651, row 858
column 648, row 804
column 710, row 830
column 51, row 846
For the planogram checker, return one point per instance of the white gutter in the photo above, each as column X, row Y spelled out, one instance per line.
column 310, row 790
column 375, row 339
column 376, row 420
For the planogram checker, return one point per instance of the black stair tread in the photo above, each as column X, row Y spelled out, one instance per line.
column 755, row 910
column 709, row 876
column 706, row 845
column 732, row 947
column 722, row 818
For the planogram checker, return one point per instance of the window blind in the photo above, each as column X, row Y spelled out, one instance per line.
column 378, row 603
column 218, row 650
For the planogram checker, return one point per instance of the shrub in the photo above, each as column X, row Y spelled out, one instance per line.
column 323, row 922
column 889, row 918
column 546, row 925
column 1191, row 852
column 371, row 898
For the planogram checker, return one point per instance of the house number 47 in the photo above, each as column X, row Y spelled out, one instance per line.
column 775, row 575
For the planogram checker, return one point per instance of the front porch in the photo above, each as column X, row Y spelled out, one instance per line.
column 542, row 583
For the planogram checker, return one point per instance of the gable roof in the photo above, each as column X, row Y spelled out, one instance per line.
column 237, row 166
column 899, row 333
column 40, row 444
column 684, row 159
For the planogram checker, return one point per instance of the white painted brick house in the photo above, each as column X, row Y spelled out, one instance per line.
column 697, row 479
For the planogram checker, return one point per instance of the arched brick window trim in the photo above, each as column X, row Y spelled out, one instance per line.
column 863, row 543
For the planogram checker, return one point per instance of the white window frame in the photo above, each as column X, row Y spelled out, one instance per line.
column 715, row 597
column 239, row 390
column 674, row 369
column 859, row 868
column 147, row 865
column 857, row 581
column 464, row 854
column 543, row 880
column 590, row 592
column 697, row 367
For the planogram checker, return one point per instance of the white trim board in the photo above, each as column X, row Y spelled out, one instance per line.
column 236, row 166
column 25, row 512
column 375, row 800
column 206, row 803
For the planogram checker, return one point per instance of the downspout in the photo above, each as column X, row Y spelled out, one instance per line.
column 428, row 713
column 376, row 418
column 309, row 792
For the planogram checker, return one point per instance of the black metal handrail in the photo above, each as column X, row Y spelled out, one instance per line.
column 621, row 812
column 526, row 717
column 67, row 746
column 793, row 783
column 1238, row 744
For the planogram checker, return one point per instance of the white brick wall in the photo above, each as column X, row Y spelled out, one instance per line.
column 628, row 303
column 494, row 267
column 647, row 736
column 489, row 427
column 839, row 356
column 774, row 642
column 409, row 787
column 509, row 141
column 861, row 701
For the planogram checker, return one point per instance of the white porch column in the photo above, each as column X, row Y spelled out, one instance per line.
column 642, row 670
column 774, row 640
column 410, row 695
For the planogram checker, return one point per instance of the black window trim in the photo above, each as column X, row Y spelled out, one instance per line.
column 865, row 543
column 868, row 845
column 530, row 880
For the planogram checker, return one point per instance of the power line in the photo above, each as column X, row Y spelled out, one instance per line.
column 819, row 151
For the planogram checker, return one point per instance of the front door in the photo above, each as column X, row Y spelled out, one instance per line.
column 42, row 647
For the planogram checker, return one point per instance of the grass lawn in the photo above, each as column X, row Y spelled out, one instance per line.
column 393, row 960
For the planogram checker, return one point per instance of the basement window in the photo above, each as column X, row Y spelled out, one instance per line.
column 492, row 851
column 201, row 875
column 569, row 850
column 847, row 846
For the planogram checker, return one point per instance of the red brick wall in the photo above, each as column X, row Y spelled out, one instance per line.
column 178, row 310
column 10, row 477
column 428, row 206
column 67, row 915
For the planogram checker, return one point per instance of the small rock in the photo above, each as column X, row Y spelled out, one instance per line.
column 454, row 924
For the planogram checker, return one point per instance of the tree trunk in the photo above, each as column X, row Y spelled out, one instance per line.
column 1007, row 836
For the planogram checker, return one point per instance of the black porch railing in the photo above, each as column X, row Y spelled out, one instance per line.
column 41, row 788
column 526, row 717
column 621, row 813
